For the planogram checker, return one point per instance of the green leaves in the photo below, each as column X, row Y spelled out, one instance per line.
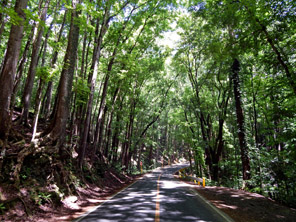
column 82, row 91
column 44, row 73
column 14, row 19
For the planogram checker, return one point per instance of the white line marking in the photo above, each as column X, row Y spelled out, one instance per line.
column 222, row 214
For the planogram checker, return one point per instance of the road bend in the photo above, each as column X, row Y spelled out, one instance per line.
column 158, row 196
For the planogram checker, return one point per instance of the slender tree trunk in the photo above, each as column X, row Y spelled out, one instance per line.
column 98, row 131
column 92, row 81
column 83, row 58
column 101, row 130
column 26, row 100
column 48, row 95
column 58, row 124
column 256, row 131
column 117, row 130
column 9, row 69
column 240, row 121
column 40, row 89
column 37, row 107
column 21, row 66
column 130, row 135
column 109, row 131
column 102, row 107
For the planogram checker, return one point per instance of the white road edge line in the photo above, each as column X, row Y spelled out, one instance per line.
column 105, row 201
column 221, row 213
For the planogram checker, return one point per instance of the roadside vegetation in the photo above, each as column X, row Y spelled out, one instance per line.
column 91, row 91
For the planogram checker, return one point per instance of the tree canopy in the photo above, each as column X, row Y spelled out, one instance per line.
column 87, row 85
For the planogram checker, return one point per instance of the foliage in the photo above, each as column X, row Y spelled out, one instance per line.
column 155, row 103
column 82, row 90
column 2, row 208
column 44, row 73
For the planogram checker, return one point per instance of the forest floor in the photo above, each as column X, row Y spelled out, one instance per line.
column 244, row 206
column 37, row 198
column 70, row 207
column 240, row 205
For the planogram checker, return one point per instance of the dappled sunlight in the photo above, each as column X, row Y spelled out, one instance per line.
column 94, row 201
column 222, row 204
column 242, row 205
column 156, row 193
column 170, row 184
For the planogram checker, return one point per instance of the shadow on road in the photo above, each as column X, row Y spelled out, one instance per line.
column 138, row 202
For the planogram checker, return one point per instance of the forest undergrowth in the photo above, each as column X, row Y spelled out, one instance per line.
column 95, row 87
column 46, row 182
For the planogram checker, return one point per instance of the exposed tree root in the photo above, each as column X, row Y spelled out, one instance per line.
column 32, row 149
column 20, row 159
column 15, row 135
column 7, row 202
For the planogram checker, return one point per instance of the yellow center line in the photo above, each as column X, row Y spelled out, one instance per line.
column 157, row 212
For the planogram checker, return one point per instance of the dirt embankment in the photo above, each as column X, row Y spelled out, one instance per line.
column 21, row 207
column 244, row 206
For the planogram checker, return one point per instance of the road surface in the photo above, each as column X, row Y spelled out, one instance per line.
column 158, row 196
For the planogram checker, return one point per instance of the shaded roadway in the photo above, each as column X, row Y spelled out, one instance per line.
column 175, row 201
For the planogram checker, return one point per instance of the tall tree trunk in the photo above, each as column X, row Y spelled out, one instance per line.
column 40, row 89
column 257, row 143
column 26, row 100
column 120, row 40
column 20, row 69
column 9, row 68
column 37, row 107
column 218, row 150
column 7, row 75
column 240, row 121
column 58, row 124
column 48, row 95
column 92, row 82
column 127, row 158
column 115, row 138
column 109, row 131
column 98, row 131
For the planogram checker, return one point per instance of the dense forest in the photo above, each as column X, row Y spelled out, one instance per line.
column 91, row 85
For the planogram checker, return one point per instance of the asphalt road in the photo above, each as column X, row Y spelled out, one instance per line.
column 158, row 196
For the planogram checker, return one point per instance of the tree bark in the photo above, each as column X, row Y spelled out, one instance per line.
column 109, row 131
column 115, row 138
column 92, row 82
column 9, row 69
column 20, row 69
column 58, row 124
column 37, row 107
column 26, row 100
column 119, row 41
column 48, row 95
column 240, row 121
column 40, row 89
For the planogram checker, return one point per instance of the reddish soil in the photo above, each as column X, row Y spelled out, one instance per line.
column 240, row 205
column 71, row 207
column 30, row 201
column 244, row 206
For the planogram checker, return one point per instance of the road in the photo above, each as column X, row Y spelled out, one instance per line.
column 158, row 196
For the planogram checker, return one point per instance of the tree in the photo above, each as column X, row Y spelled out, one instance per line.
column 9, row 68
column 240, row 121
column 93, row 78
column 34, row 62
column 57, row 128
